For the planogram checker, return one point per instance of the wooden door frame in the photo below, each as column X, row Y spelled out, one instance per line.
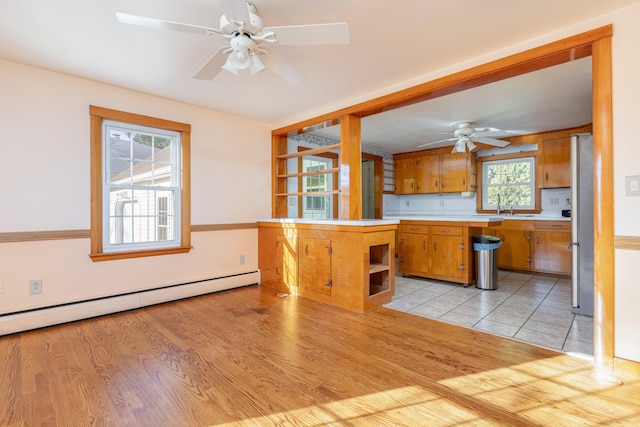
column 595, row 43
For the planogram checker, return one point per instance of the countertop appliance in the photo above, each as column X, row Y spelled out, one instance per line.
column 582, row 281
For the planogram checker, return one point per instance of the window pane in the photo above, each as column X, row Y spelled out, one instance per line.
column 509, row 183
column 143, row 187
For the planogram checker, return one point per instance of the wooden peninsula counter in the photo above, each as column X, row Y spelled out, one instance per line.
column 344, row 263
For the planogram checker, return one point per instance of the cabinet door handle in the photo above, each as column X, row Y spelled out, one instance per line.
column 278, row 271
column 414, row 228
column 434, row 246
column 436, row 183
column 424, row 245
column 446, row 230
column 556, row 225
column 277, row 243
column 537, row 240
column 503, row 238
column 306, row 249
column 546, row 176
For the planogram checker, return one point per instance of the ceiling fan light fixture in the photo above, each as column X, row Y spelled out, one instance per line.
column 460, row 147
column 255, row 64
column 228, row 65
column 471, row 146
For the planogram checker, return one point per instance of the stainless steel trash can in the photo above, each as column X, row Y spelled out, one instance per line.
column 486, row 270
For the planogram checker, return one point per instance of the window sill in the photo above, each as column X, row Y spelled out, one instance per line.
column 110, row 256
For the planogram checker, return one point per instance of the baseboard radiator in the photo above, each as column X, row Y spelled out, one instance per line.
column 49, row 316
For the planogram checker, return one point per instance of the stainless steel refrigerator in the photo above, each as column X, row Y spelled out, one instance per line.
column 582, row 224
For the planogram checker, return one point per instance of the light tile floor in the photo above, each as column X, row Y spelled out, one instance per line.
column 527, row 307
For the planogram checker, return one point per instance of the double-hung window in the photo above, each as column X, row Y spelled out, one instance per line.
column 139, row 179
column 509, row 183
column 317, row 206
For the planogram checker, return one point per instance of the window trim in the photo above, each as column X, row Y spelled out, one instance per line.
column 511, row 156
column 97, row 116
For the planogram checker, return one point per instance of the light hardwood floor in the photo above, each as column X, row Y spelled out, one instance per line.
column 250, row 357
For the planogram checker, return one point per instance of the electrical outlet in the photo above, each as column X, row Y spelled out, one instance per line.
column 241, row 259
column 407, row 203
column 35, row 286
column 567, row 201
column 441, row 202
column 554, row 201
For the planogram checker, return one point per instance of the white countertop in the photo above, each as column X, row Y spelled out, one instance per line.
column 355, row 222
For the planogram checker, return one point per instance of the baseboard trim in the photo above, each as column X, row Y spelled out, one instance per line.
column 50, row 316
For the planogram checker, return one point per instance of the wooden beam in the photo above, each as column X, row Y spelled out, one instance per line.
column 558, row 52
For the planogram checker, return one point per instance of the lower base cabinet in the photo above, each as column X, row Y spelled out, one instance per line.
column 439, row 250
column 535, row 246
column 351, row 267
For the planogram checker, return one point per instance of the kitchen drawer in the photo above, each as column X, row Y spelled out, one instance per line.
column 444, row 230
column 414, row 229
column 552, row 225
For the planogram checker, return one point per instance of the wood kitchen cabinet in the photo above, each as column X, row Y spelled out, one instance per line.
column 457, row 172
column 429, row 173
column 413, row 254
column 405, row 170
column 515, row 251
column 438, row 249
column 277, row 246
column 348, row 266
column 314, row 265
column 552, row 247
column 446, row 252
column 555, row 169
column 538, row 246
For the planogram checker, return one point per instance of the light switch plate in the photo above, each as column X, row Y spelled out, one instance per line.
column 632, row 186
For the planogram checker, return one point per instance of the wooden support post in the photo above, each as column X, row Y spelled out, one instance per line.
column 278, row 185
column 604, row 253
column 350, row 168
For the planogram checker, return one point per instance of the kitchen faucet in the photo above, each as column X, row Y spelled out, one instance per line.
column 498, row 208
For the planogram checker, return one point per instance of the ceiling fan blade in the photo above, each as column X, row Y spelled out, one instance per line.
column 212, row 67
column 237, row 10
column 491, row 141
column 288, row 73
column 336, row 33
column 436, row 142
column 160, row 24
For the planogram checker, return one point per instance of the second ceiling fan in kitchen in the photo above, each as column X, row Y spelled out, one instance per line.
column 466, row 135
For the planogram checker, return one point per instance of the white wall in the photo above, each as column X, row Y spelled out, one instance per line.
column 44, row 176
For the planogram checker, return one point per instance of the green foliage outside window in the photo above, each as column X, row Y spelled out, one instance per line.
column 512, row 180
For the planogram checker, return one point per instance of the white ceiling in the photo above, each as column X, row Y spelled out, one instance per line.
column 391, row 42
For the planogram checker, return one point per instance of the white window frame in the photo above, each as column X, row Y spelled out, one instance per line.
column 505, row 203
column 129, row 188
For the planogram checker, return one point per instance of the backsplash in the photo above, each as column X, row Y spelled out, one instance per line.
column 553, row 202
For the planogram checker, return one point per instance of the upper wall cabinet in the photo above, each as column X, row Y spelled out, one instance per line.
column 426, row 173
column 554, row 158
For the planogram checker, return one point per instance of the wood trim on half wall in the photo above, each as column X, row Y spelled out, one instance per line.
column 35, row 236
column 631, row 243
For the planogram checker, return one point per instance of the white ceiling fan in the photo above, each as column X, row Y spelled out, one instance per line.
column 246, row 35
column 465, row 135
